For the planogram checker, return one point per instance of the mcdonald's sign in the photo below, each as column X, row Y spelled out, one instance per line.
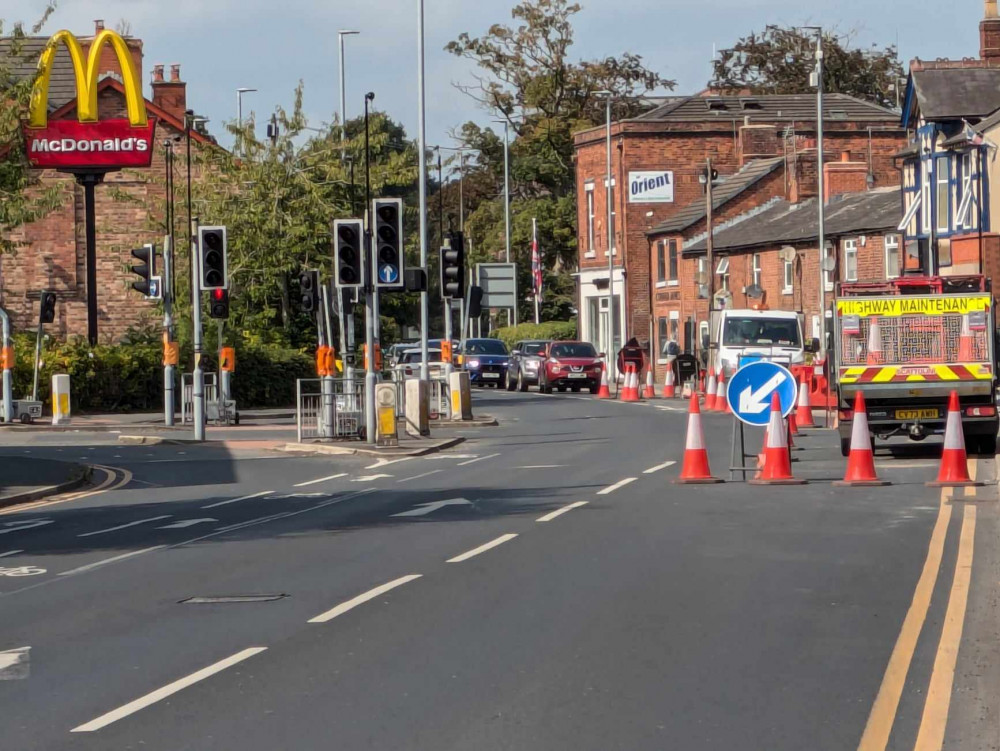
column 88, row 143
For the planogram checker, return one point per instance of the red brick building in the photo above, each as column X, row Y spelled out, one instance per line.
column 761, row 143
column 52, row 251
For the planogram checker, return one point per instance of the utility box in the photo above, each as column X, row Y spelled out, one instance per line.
column 385, row 414
column 461, row 395
column 418, row 407
column 60, row 399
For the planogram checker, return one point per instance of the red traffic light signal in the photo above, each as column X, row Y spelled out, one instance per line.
column 219, row 305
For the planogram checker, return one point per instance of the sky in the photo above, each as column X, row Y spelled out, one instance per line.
column 268, row 45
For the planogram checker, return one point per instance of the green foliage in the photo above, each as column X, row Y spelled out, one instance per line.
column 779, row 60
column 548, row 330
column 129, row 376
column 22, row 198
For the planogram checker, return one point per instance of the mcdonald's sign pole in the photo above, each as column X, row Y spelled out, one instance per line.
column 88, row 147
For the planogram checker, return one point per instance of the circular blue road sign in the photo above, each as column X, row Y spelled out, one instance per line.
column 750, row 389
column 388, row 274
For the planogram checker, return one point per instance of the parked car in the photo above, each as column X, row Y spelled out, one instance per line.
column 486, row 361
column 409, row 363
column 525, row 361
column 396, row 351
column 570, row 365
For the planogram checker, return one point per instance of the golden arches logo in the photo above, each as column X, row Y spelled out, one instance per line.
column 86, row 79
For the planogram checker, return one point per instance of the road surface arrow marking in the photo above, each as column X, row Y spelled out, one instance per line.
column 369, row 478
column 754, row 402
column 422, row 509
column 183, row 523
column 14, row 664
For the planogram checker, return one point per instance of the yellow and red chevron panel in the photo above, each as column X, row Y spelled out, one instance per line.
column 917, row 373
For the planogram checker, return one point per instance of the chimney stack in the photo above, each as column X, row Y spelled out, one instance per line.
column 171, row 95
column 99, row 25
column 989, row 35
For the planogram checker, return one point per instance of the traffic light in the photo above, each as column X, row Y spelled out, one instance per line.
column 388, row 240
column 212, row 246
column 47, row 307
column 145, row 268
column 475, row 302
column 219, row 307
column 309, row 291
column 453, row 266
column 347, row 302
column 348, row 252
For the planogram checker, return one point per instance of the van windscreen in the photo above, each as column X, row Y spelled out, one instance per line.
column 760, row 332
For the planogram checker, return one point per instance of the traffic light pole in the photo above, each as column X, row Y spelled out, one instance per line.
column 38, row 356
column 199, row 374
column 369, row 294
column 168, row 326
column 326, row 384
column 8, row 377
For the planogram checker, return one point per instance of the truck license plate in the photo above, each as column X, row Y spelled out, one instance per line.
column 916, row 414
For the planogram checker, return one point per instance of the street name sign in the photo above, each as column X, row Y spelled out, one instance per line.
column 750, row 389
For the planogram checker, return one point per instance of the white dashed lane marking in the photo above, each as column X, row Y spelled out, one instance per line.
column 617, row 485
column 482, row 548
column 559, row 512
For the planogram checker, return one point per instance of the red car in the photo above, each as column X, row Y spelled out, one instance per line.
column 572, row 365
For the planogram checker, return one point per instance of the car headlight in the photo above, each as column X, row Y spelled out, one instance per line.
column 472, row 364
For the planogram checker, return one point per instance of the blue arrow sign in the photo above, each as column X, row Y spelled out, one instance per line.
column 751, row 387
column 154, row 288
column 388, row 274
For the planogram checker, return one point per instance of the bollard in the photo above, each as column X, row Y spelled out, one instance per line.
column 417, row 407
column 461, row 395
column 60, row 399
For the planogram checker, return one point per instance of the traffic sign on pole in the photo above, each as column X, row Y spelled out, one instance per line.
column 750, row 390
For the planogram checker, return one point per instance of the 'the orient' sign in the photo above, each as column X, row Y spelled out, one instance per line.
column 651, row 187
column 89, row 143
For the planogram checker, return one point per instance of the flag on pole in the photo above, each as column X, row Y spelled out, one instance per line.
column 536, row 262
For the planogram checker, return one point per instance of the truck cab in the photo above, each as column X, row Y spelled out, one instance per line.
column 749, row 334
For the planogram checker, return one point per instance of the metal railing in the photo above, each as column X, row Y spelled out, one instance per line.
column 439, row 399
column 187, row 394
column 336, row 411
column 912, row 340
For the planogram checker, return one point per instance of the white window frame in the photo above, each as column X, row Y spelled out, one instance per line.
column 659, row 338
column 827, row 275
column 788, row 277
column 614, row 214
column 850, row 258
column 925, row 195
column 672, row 281
column 942, row 179
column 911, row 210
column 722, row 271
column 757, row 269
column 703, row 333
column 588, row 188
column 892, row 246
column 963, row 216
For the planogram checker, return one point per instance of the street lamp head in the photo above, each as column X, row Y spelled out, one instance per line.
column 347, row 32
column 244, row 90
column 370, row 96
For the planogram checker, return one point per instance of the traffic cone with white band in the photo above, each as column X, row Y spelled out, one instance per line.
column 804, row 411
column 669, row 388
column 710, row 391
column 649, row 392
column 604, row 392
column 721, row 400
column 861, row 460
column 695, row 470
column 954, row 470
column 631, row 391
column 777, row 469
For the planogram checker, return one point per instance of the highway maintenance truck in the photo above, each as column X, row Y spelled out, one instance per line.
column 907, row 343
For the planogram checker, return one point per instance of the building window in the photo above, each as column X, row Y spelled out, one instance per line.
column 614, row 215
column 722, row 270
column 892, row 259
column 827, row 273
column 963, row 217
column 661, row 263
column 943, row 175
column 672, row 256
column 703, row 337
column 925, row 196
column 788, row 278
column 662, row 336
column 851, row 260
column 590, row 217
column 756, row 269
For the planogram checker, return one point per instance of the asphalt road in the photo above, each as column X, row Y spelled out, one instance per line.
column 542, row 586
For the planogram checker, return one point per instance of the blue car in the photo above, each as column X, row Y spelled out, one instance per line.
column 486, row 362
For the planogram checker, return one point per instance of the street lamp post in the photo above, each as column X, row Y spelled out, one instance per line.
column 820, row 199
column 198, row 389
column 422, row 172
column 612, row 375
column 343, row 96
column 370, row 311
column 239, row 103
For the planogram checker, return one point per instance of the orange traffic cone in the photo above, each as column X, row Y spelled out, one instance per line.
column 954, row 470
column 777, row 469
column 695, row 469
column 861, row 460
column 604, row 392
column 804, row 412
column 721, row 400
column 874, row 343
column 711, row 390
column 631, row 391
column 649, row 392
column 669, row 387
column 966, row 342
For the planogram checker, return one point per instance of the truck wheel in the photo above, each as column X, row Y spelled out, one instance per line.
column 26, row 419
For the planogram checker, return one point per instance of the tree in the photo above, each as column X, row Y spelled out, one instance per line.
column 779, row 60
column 22, row 198
column 530, row 80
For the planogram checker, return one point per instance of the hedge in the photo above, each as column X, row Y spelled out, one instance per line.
column 129, row 376
column 548, row 330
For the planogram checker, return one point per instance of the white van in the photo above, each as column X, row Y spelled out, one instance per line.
column 773, row 335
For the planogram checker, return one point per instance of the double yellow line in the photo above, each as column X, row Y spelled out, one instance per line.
column 934, row 720
column 114, row 479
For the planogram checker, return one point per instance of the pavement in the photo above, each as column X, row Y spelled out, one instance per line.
column 542, row 585
column 23, row 480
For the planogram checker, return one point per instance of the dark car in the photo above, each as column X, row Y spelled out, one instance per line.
column 486, row 362
column 572, row 365
column 525, row 361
